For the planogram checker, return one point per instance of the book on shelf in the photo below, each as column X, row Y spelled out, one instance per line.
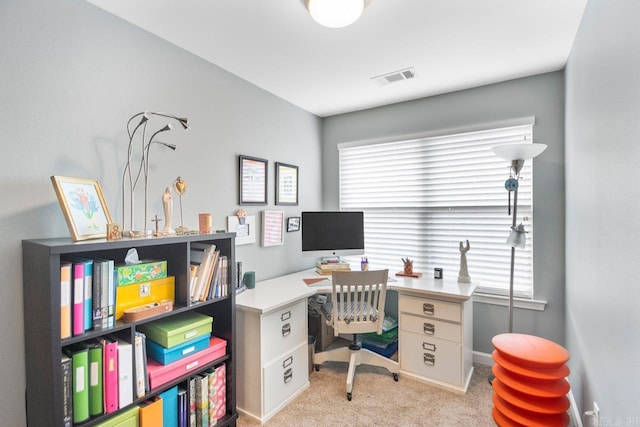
column 208, row 289
column 202, row 400
column 79, row 355
column 65, row 299
column 201, row 255
column 219, row 376
column 67, row 391
column 96, row 398
column 183, row 405
column 192, row 402
column 150, row 414
column 125, row 372
column 213, row 396
column 170, row 406
column 77, row 315
column 109, row 374
column 140, row 357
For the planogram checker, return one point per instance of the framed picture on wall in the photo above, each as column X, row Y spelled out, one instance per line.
column 293, row 223
column 253, row 181
column 286, row 184
column 272, row 228
column 83, row 207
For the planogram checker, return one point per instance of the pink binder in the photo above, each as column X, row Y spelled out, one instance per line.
column 110, row 380
column 160, row 374
column 78, row 298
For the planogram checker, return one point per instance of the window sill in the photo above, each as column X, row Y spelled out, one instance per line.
column 528, row 304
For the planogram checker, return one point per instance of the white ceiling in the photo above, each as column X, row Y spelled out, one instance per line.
column 451, row 44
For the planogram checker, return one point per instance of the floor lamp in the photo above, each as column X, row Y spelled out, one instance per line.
column 517, row 154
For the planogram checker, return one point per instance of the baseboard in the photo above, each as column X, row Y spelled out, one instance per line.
column 482, row 358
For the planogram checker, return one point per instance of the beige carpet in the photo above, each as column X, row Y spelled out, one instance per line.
column 380, row 401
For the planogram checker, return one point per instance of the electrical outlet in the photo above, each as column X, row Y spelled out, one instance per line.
column 594, row 414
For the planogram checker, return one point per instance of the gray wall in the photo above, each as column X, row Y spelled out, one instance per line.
column 603, row 257
column 541, row 96
column 71, row 76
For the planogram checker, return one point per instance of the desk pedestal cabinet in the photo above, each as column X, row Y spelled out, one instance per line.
column 436, row 340
column 272, row 358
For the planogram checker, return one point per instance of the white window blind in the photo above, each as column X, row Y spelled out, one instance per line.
column 422, row 197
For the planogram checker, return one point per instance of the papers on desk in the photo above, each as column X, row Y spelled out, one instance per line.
column 315, row 281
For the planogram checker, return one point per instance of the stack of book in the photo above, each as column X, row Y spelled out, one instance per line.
column 209, row 273
column 328, row 267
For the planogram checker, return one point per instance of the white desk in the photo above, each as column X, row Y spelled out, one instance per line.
column 435, row 337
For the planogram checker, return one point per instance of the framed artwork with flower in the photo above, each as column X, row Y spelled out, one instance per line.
column 83, row 206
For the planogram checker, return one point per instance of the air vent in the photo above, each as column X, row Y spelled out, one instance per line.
column 396, row 76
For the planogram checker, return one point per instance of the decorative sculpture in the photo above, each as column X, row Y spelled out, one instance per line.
column 463, row 275
column 181, row 186
column 167, row 205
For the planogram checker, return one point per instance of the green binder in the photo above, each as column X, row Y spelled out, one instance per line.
column 79, row 355
column 95, row 379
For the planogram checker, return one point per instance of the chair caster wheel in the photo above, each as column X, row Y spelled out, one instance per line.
column 395, row 376
column 316, row 367
column 349, row 396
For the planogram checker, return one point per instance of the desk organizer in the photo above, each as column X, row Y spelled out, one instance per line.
column 530, row 385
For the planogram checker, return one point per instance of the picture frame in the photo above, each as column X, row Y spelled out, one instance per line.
column 245, row 230
column 83, row 207
column 272, row 228
column 293, row 223
column 286, row 184
column 253, row 180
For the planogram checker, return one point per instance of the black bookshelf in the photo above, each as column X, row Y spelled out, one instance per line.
column 41, row 298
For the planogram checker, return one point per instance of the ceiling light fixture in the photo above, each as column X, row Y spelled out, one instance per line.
column 335, row 13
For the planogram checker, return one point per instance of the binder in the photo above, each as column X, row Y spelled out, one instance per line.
column 67, row 391
column 110, row 374
column 170, row 407
column 202, row 400
column 125, row 373
column 95, row 379
column 78, row 298
column 88, row 294
column 65, row 299
column 221, row 391
column 79, row 355
column 150, row 414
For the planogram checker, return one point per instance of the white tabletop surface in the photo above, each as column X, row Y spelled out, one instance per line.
column 272, row 294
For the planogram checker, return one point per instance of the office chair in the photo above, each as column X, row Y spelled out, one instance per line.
column 356, row 307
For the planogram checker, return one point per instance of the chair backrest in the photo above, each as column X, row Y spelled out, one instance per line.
column 358, row 299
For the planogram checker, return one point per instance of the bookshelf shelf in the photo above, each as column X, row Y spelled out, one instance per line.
column 44, row 346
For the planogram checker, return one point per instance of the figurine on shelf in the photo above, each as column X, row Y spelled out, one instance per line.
column 180, row 186
column 167, row 205
column 463, row 275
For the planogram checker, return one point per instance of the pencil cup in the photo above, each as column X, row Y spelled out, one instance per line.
column 205, row 222
column 408, row 267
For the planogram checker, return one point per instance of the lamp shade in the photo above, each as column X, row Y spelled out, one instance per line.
column 517, row 237
column 519, row 151
column 335, row 13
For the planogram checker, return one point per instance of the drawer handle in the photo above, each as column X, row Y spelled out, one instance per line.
column 429, row 359
column 429, row 328
column 287, row 362
column 288, row 375
column 286, row 329
column 285, row 316
column 429, row 346
column 428, row 308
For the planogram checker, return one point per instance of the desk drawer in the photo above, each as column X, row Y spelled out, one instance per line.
column 285, row 376
column 431, row 358
column 429, row 327
column 283, row 330
column 430, row 307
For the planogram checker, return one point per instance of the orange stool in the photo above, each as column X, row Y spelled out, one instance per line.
column 530, row 385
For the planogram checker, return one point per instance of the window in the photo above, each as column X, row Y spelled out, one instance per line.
column 422, row 197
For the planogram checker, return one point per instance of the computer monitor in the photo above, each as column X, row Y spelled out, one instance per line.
column 332, row 234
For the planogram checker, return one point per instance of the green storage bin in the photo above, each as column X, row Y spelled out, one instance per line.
column 128, row 418
column 175, row 330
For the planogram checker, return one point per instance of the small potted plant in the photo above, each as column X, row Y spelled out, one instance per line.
column 242, row 216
